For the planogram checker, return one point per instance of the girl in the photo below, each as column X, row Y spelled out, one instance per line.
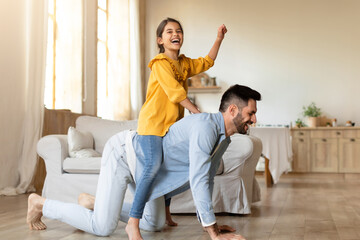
column 166, row 99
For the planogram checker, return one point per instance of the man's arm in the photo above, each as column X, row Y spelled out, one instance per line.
column 202, row 142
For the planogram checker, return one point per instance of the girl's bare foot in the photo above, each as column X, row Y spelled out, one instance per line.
column 171, row 223
column 169, row 220
column 34, row 214
column 132, row 229
column 86, row 200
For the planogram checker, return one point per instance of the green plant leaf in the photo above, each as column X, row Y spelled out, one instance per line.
column 311, row 110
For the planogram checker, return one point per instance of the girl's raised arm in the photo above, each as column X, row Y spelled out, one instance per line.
column 220, row 36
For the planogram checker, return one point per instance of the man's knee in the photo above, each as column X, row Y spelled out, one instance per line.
column 104, row 229
column 152, row 224
column 154, row 216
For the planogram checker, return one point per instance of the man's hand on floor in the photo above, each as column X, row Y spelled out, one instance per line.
column 215, row 233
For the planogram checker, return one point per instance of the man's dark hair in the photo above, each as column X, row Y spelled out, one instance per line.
column 238, row 95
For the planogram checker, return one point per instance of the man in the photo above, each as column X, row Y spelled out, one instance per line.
column 193, row 148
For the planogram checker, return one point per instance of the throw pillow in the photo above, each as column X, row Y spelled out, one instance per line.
column 81, row 144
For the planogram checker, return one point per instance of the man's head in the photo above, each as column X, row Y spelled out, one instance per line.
column 238, row 105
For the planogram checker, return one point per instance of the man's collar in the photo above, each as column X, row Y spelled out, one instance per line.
column 221, row 122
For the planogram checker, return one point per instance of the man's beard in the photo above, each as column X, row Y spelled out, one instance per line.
column 240, row 125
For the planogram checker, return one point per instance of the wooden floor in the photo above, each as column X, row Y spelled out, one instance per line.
column 298, row 207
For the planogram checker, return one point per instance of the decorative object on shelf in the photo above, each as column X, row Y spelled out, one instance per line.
column 203, row 83
column 202, row 80
column 212, row 81
column 326, row 122
column 189, row 82
column 313, row 113
column 199, row 80
column 334, row 122
column 299, row 123
column 349, row 124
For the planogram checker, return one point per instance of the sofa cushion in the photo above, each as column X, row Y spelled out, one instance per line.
column 81, row 144
column 85, row 153
column 82, row 165
column 102, row 129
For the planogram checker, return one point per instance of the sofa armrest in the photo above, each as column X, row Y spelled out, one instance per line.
column 53, row 149
column 242, row 154
column 240, row 160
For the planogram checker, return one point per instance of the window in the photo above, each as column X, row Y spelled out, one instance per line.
column 67, row 85
column 63, row 83
column 113, row 59
column 103, row 107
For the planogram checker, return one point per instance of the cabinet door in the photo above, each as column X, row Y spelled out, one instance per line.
column 349, row 155
column 301, row 155
column 324, row 155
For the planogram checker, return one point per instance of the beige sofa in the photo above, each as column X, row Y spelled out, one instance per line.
column 235, row 186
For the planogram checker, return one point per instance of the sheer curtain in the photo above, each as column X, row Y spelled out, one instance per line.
column 26, row 116
column 32, row 116
column 136, row 56
column 123, row 97
column 118, row 58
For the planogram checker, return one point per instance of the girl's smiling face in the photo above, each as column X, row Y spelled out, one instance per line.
column 172, row 37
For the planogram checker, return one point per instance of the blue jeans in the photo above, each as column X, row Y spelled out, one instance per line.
column 149, row 154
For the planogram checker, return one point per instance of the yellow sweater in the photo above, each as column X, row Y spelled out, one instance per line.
column 167, row 87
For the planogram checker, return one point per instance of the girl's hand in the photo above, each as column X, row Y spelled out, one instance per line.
column 221, row 32
column 220, row 36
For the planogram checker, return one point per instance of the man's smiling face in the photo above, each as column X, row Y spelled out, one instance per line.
column 246, row 117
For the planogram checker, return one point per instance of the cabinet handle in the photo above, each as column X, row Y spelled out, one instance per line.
column 301, row 140
column 352, row 140
column 338, row 133
column 301, row 133
column 324, row 140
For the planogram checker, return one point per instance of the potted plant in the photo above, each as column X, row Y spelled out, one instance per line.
column 299, row 123
column 313, row 113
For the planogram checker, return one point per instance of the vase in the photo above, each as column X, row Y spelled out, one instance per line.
column 313, row 121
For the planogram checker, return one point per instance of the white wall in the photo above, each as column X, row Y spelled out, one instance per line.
column 12, row 87
column 293, row 52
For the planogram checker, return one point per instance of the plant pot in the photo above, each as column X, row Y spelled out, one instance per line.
column 313, row 121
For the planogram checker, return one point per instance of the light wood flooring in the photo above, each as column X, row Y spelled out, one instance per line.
column 298, row 207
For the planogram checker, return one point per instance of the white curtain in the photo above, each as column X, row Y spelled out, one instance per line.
column 136, row 84
column 23, row 77
column 124, row 92
column 32, row 117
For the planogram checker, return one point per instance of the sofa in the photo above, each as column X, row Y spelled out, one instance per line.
column 235, row 186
